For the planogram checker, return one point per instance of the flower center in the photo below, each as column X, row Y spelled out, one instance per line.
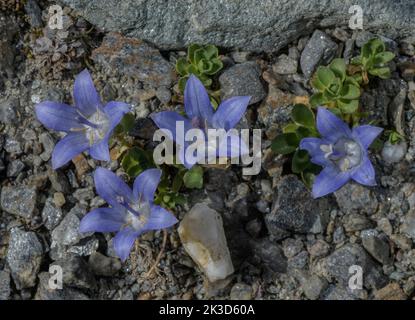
column 138, row 215
column 96, row 126
column 345, row 153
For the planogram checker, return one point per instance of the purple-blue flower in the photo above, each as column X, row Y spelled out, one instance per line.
column 88, row 125
column 200, row 115
column 131, row 212
column 341, row 151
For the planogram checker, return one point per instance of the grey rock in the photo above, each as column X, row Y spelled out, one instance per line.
column 4, row 285
column 127, row 56
column 24, row 257
column 393, row 153
column 271, row 255
column 285, row 65
column 85, row 247
column 378, row 248
column 19, row 200
column 299, row 261
column 14, row 168
column 241, row 291
column 336, row 266
column 13, row 145
column 356, row 222
column 336, row 292
column 67, row 234
column 314, row 286
column 338, row 235
column 354, row 197
column 408, row 225
column 102, row 265
column 8, row 112
column 48, row 144
column 242, row 80
column 263, row 26
column 44, row 292
column 163, row 94
column 76, row 272
column 51, row 214
column 319, row 248
column 292, row 247
column 320, row 50
column 295, row 210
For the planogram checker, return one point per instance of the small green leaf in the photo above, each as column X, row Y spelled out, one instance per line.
column 193, row 179
column 198, row 56
column 181, row 66
column 303, row 132
column 191, row 52
column 376, row 46
column 182, row 83
column 217, row 65
column 356, row 60
column 303, row 116
column 318, row 99
column 135, row 161
column 348, row 106
column 291, row 127
column 127, row 122
column 350, row 92
column 325, row 76
column 338, row 66
column 308, row 178
column 383, row 73
column 285, row 143
column 210, row 51
column 300, row 161
column 384, row 57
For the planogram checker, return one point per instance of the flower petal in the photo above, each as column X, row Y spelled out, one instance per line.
column 312, row 145
column 365, row 174
column 230, row 112
column 196, row 100
column 328, row 181
column 67, row 148
column 111, row 188
column 100, row 150
column 115, row 111
column 123, row 241
column 86, row 97
column 145, row 185
column 366, row 134
column 160, row 218
column 166, row 121
column 103, row 220
column 330, row 126
column 58, row 116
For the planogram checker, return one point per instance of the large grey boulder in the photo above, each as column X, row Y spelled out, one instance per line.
column 265, row 25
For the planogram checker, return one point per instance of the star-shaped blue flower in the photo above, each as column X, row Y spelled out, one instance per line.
column 132, row 212
column 200, row 115
column 88, row 125
column 341, row 151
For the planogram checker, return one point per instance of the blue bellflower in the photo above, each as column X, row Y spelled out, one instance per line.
column 200, row 115
column 88, row 125
column 341, row 151
column 132, row 212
